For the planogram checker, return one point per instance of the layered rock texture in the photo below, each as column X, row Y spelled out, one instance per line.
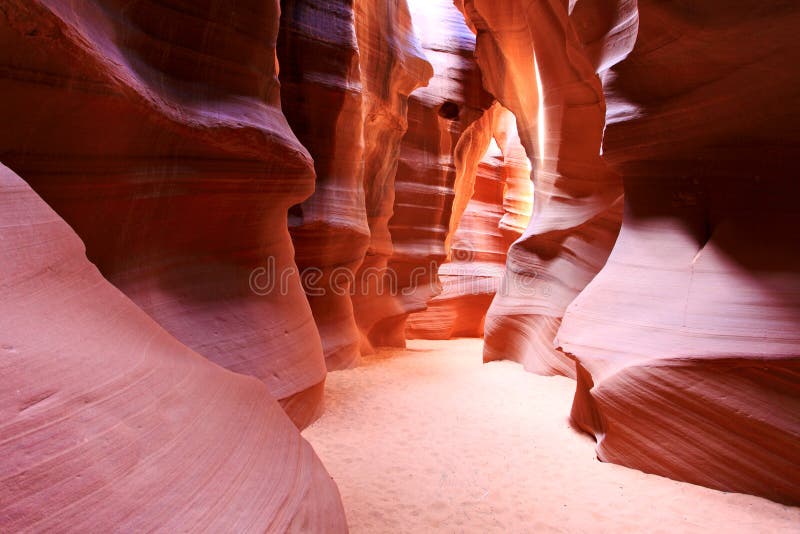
column 392, row 65
column 577, row 203
column 491, row 209
column 322, row 99
column 687, row 342
column 425, row 175
column 261, row 233
column 154, row 129
column 109, row 423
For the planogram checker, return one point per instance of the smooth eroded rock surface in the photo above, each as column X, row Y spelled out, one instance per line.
column 490, row 211
column 393, row 65
column 523, row 44
column 109, row 423
column 321, row 96
column 154, row 129
column 424, row 182
column 687, row 341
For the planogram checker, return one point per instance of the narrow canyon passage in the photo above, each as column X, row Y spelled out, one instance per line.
column 431, row 439
column 399, row 266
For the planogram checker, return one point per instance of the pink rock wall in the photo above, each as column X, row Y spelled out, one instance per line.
column 687, row 341
column 518, row 191
column 109, row 423
column 154, row 129
column 157, row 129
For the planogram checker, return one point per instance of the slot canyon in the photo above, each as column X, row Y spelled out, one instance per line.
column 399, row 266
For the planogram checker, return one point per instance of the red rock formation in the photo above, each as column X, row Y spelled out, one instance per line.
column 109, row 423
column 687, row 342
column 470, row 279
column 392, row 66
column 577, row 201
column 437, row 116
column 499, row 198
column 321, row 98
column 469, row 153
column 154, row 128
column 518, row 193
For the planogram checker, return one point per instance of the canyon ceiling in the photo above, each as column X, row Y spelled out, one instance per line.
column 206, row 206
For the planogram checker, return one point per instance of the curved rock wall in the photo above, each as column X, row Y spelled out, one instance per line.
column 321, row 96
column 477, row 255
column 687, row 341
column 423, row 189
column 154, row 129
column 577, row 204
column 109, row 423
column 392, row 66
column 499, row 195
column 518, row 192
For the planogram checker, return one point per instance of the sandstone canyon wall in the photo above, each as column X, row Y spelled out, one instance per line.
column 382, row 165
column 321, row 96
column 425, row 172
column 109, row 423
column 490, row 210
column 392, row 65
column 154, row 129
column 577, row 201
column 686, row 344
column 687, row 341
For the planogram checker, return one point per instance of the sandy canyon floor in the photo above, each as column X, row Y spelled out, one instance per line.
column 429, row 439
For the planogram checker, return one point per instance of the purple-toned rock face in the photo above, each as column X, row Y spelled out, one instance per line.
column 109, row 423
column 155, row 131
column 321, row 93
column 686, row 343
column 603, row 189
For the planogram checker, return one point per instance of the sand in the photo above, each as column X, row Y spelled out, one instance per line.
column 429, row 439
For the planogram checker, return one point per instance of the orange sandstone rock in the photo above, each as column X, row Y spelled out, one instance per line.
column 423, row 188
column 321, row 95
column 392, row 66
column 577, row 200
column 498, row 193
